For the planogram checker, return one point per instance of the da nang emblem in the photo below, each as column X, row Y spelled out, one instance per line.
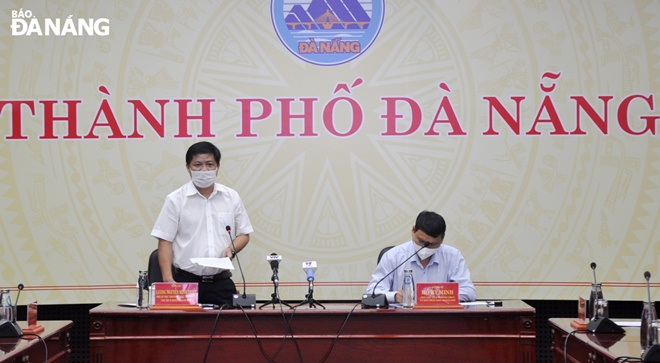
column 327, row 32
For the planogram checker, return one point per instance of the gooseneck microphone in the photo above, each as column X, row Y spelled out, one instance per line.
column 21, row 286
column 652, row 352
column 596, row 293
column 243, row 300
column 647, row 276
column 593, row 268
column 8, row 327
column 380, row 300
column 600, row 324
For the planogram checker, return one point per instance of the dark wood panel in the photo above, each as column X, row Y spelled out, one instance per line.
column 31, row 349
column 583, row 346
column 497, row 334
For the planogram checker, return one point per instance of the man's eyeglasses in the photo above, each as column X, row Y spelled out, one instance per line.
column 203, row 166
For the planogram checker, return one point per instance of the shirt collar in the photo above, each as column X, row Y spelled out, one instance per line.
column 190, row 189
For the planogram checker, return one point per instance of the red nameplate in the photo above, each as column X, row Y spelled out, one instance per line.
column 175, row 293
column 440, row 295
column 33, row 327
column 581, row 322
column 582, row 308
column 32, row 314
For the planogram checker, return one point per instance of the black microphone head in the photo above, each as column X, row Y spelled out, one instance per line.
column 20, row 286
column 228, row 229
column 593, row 265
column 274, row 263
column 647, row 275
column 426, row 244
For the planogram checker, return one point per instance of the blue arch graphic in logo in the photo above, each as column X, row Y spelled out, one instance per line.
column 327, row 32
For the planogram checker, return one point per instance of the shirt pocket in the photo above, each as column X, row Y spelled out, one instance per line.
column 227, row 221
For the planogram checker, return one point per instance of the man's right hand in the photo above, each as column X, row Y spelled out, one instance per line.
column 398, row 297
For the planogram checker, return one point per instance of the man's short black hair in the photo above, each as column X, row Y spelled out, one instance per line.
column 431, row 223
column 203, row 147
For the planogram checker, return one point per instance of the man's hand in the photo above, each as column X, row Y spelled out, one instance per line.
column 228, row 252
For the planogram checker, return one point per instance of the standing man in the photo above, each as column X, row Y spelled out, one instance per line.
column 435, row 263
column 193, row 223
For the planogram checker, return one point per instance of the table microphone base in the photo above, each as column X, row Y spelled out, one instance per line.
column 604, row 326
column 245, row 301
column 651, row 354
column 9, row 329
column 377, row 301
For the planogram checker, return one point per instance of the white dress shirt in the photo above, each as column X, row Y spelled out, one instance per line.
column 197, row 226
column 446, row 265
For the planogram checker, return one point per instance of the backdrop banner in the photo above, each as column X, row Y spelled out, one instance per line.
column 532, row 127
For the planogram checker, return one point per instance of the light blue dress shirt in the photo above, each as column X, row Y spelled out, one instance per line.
column 447, row 265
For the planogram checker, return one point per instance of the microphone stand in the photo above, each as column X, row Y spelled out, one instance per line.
column 309, row 298
column 650, row 353
column 598, row 323
column 274, row 299
column 8, row 327
column 243, row 300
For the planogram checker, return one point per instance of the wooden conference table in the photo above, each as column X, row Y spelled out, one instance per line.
column 31, row 349
column 337, row 334
column 589, row 347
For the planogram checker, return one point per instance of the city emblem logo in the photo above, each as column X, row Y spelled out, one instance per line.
column 327, row 32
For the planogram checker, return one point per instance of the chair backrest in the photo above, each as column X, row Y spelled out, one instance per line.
column 382, row 252
column 154, row 274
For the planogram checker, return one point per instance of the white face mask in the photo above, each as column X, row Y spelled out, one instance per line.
column 203, row 178
column 425, row 253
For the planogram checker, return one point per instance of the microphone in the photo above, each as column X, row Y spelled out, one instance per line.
column 593, row 267
column 8, row 326
column 380, row 300
column 596, row 293
column 274, row 260
column 600, row 324
column 309, row 267
column 652, row 352
column 647, row 276
column 21, row 286
column 243, row 300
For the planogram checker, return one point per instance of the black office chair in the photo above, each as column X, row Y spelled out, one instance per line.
column 382, row 252
column 154, row 274
column 153, row 271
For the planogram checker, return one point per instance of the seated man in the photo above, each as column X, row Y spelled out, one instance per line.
column 435, row 263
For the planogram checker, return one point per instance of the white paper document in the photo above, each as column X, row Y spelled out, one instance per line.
column 474, row 303
column 221, row 263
